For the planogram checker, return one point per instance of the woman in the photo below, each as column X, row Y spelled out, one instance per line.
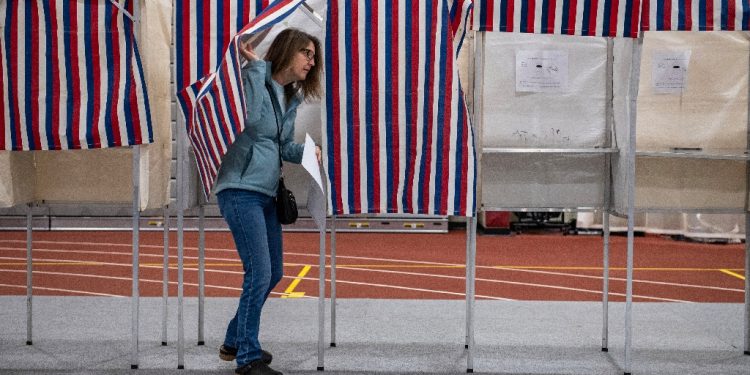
column 248, row 178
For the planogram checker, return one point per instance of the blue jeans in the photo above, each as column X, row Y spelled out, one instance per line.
column 257, row 235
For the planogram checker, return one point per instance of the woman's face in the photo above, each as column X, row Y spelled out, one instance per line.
column 303, row 62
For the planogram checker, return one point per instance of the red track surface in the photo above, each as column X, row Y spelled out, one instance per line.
column 411, row 266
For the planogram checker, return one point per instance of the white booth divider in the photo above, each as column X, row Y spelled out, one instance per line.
column 548, row 108
column 687, row 144
column 547, row 151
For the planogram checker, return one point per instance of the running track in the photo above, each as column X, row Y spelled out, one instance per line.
column 548, row 267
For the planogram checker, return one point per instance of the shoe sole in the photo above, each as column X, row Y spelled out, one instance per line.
column 231, row 357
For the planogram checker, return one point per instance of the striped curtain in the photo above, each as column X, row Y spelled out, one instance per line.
column 71, row 76
column 460, row 16
column 696, row 15
column 397, row 136
column 214, row 107
column 203, row 29
column 569, row 17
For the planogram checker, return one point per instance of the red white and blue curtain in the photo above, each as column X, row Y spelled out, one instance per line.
column 696, row 15
column 616, row 18
column 610, row 17
column 70, row 76
column 203, row 29
column 214, row 106
column 460, row 16
column 397, row 132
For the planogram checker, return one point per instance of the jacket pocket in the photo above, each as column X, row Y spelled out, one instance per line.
column 248, row 160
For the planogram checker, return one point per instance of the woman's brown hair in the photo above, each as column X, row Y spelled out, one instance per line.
column 281, row 53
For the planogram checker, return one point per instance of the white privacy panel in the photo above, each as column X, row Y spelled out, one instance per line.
column 709, row 110
column 570, row 113
column 542, row 180
column 690, row 183
column 707, row 113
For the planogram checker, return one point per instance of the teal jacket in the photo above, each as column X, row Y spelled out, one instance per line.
column 252, row 161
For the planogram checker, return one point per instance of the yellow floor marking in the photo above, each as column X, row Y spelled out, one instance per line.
column 730, row 273
column 289, row 292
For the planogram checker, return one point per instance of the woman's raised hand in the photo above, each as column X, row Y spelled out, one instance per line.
column 247, row 51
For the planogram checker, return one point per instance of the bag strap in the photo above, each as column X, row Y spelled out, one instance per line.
column 276, row 110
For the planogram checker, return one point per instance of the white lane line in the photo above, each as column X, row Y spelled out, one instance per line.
column 60, row 290
column 621, row 279
column 398, row 273
column 46, row 261
column 128, row 279
column 83, row 262
column 235, row 260
column 366, row 284
column 112, row 244
column 529, row 271
column 408, row 288
column 418, row 262
column 161, row 256
column 500, row 281
column 287, row 264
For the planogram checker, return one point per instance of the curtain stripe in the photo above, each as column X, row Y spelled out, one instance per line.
column 567, row 17
column 214, row 105
column 712, row 15
column 405, row 157
column 62, row 77
column 203, row 30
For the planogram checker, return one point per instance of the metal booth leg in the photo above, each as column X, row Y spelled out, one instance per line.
column 747, row 287
column 471, row 276
column 321, row 297
column 605, row 283
column 136, row 264
column 165, row 279
column 29, row 272
column 201, row 271
column 333, row 281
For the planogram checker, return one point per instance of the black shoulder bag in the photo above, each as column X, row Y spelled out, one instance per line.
column 286, row 204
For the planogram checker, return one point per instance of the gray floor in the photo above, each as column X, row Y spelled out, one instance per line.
column 92, row 335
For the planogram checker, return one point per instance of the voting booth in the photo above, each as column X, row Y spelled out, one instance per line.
column 86, row 111
column 686, row 148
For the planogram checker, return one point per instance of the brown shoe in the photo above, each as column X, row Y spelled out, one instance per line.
column 228, row 353
column 256, row 367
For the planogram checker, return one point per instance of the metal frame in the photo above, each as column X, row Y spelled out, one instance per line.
column 136, row 233
column 180, row 136
column 165, row 279
column 631, row 209
column 201, row 272
column 606, row 152
column 29, row 272
column 471, row 246
column 136, row 222
column 181, row 180
column 471, row 229
column 136, row 212
column 135, row 295
column 322, row 292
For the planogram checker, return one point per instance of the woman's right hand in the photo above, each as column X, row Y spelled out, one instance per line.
column 247, row 51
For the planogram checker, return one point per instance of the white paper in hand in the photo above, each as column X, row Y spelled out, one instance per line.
column 316, row 202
